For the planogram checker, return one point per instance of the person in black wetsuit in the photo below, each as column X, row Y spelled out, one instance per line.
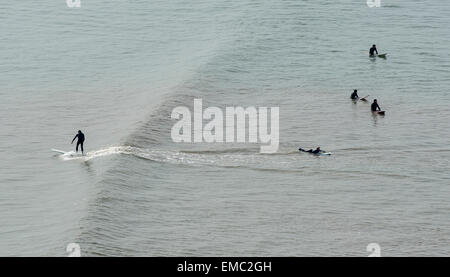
column 354, row 95
column 373, row 50
column 375, row 106
column 80, row 141
column 317, row 151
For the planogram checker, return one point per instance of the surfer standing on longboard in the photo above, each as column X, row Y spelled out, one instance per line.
column 80, row 141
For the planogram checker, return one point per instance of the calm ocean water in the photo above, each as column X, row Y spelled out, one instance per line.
column 117, row 69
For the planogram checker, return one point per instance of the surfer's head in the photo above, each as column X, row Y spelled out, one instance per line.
column 374, row 100
column 318, row 148
column 79, row 131
column 355, row 90
column 374, row 46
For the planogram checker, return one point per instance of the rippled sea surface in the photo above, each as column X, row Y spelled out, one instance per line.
column 116, row 70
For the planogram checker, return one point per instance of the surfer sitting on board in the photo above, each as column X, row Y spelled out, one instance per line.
column 317, row 151
column 354, row 95
column 375, row 106
column 373, row 50
column 80, row 141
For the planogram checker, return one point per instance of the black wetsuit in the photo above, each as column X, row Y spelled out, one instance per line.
column 80, row 141
column 354, row 96
column 374, row 107
column 372, row 51
column 317, row 151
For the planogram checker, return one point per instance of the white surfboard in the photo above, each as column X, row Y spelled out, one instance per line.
column 59, row 151
column 69, row 153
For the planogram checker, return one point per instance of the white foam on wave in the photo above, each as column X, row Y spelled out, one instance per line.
column 207, row 158
column 113, row 150
column 253, row 160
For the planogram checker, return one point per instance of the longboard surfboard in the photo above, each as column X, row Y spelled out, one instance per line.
column 383, row 56
column 70, row 153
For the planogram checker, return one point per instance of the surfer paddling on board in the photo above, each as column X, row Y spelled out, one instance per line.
column 317, row 151
column 354, row 95
column 80, row 141
column 373, row 50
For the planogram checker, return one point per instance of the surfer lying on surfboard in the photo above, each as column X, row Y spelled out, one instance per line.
column 317, row 151
column 80, row 141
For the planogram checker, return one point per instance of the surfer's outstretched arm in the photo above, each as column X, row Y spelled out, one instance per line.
column 74, row 138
